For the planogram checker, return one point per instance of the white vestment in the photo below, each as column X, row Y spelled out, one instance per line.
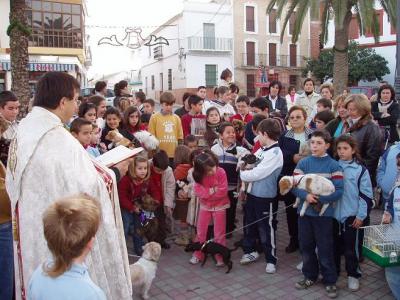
column 46, row 164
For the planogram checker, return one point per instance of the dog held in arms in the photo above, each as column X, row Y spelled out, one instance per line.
column 313, row 184
column 213, row 248
column 144, row 270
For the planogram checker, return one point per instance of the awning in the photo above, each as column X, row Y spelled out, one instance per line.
column 6, row 66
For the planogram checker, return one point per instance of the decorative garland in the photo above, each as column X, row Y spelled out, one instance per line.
column 16, row 24
column 341, row 51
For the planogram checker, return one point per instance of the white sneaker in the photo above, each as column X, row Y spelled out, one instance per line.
column 353, row 284
column 219, row 264
column 270, row 269
column 299, row 266
column 249, row 257
column 194, row 260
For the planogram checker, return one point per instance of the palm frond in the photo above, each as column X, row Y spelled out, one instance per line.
column 270, row 6
column 389, row 6
column 314, row 10
column 358, row 18
column 302, row 10
column 366, row 11
column 289, row 13
column 375, row 27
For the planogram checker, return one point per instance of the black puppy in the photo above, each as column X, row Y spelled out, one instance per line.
column 213, row 249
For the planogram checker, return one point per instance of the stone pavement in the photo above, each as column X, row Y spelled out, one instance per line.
column 177, row 279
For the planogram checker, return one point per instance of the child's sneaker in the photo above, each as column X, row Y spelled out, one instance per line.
column 331, row 291
column 249, row 257
column 353, row 284
column 194, row 260
column 304, row 284
column 270, row 269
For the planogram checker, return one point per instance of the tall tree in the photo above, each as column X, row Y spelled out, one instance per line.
column 19, row 35
column 364, row 64
column 341, row 11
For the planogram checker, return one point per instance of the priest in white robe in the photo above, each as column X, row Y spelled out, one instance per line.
column 47, row 163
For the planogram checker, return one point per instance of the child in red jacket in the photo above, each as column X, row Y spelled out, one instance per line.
column 132, row 187
column 211, row 186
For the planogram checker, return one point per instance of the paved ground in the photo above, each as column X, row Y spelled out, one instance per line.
column 177, row 279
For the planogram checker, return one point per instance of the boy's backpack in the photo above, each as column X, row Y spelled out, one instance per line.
column 367, row 199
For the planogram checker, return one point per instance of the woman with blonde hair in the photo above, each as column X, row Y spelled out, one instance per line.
column 338, row 126
column 365, row 131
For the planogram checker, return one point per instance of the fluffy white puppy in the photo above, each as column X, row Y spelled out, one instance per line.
column 313, row 184
column 144, row 270
column 148, row 141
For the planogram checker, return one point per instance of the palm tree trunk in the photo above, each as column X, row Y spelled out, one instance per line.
column 19, row 54
column 340, row 55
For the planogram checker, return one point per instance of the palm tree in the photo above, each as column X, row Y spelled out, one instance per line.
column 341, row 11
column 19, row 35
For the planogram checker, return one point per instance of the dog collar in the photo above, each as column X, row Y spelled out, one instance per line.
column 294, row 184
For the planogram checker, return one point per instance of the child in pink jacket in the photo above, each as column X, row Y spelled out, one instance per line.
column 211, row 186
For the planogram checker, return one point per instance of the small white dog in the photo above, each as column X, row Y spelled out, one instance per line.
column 144, row 270
column 313, row 184
column 148, row 141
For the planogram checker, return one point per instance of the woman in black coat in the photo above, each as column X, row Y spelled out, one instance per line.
column 386, row 111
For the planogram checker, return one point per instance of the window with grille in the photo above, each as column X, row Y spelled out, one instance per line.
column 250, row 19
column 211, row 75
column 251, row 90
column 272, row 21
column 53, row 24
column 169, row 79
column 293, row 80
column 272, row 54
column 250, row 53
column 293, row 55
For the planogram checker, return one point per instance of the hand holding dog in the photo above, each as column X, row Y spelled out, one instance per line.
column 311, row 198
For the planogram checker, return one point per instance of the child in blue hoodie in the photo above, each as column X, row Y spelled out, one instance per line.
column 315, row 231
column 351, row 209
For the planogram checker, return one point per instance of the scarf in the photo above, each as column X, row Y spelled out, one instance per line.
column 383, row 107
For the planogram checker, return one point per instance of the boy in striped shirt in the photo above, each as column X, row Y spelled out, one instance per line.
column 316, row 231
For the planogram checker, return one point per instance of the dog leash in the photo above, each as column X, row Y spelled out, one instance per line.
column 252, row 223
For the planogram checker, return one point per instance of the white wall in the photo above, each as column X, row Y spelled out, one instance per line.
column 4, row 22
column 188, row 72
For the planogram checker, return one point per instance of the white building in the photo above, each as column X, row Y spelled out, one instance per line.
column 57, row 42
column 386, row 47
column 200, row 47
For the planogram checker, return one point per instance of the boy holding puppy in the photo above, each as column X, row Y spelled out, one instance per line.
column 316, row 231
column 262, row 196
column 70, row 226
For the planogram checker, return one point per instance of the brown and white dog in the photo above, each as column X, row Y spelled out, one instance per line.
column 144, row 270
column 118, row 139
column 313, row 184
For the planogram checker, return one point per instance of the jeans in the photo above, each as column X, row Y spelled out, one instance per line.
column 346, row 243
column 257, row 208
column 393, row 279
column 316, row 232
column 131, row 224
column 219, row 218
column 6, row 261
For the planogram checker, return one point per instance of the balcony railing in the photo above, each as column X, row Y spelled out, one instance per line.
column 254, row 60
column 209, row 44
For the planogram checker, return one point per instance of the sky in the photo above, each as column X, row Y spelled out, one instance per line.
column 124, row 13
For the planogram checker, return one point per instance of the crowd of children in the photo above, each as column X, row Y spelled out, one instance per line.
column 195, row 175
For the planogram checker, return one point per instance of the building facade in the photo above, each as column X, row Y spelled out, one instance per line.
column 386, row 46
column 259, row 56
column 200, row 46
column 57, row 42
